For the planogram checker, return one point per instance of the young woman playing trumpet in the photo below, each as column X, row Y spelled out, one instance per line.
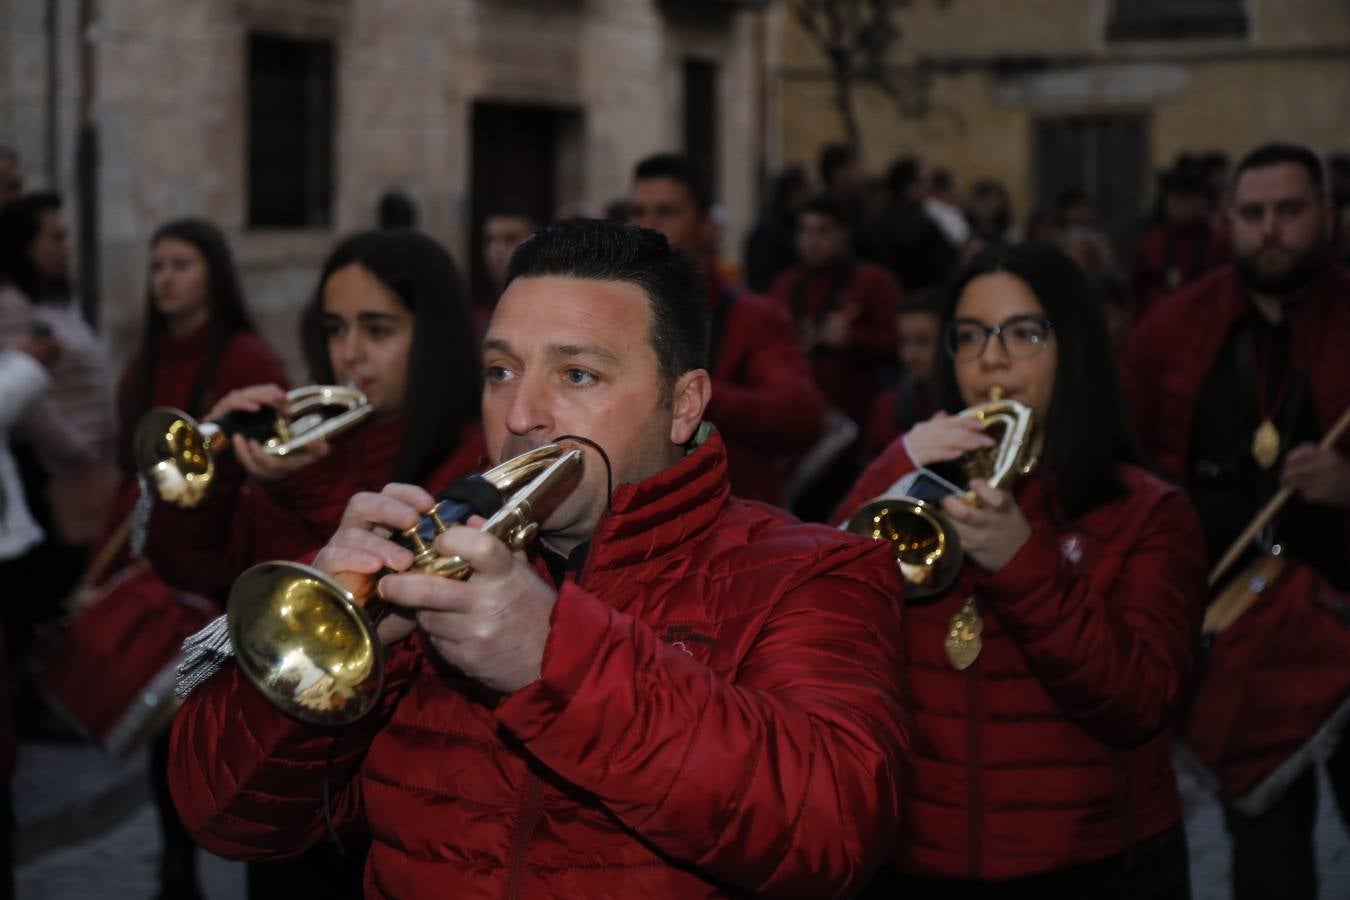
column 1045, row 678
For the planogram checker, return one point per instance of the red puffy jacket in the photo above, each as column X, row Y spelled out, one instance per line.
column 245, row 521
column 1052, row 748
column 764, row 402
column 719, row 710
column 849, row 377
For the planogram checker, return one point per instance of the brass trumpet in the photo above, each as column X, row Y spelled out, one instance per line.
column 175, row 452
column 309, row 645
column 908, row 516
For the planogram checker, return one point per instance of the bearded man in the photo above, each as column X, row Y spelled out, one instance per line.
column 1233, row 384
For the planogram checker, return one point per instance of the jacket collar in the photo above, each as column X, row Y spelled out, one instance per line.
column 650, row 518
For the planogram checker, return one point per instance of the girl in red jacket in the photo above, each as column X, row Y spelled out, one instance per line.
column 388, row 316
column 198, row 343
column 1045, row 680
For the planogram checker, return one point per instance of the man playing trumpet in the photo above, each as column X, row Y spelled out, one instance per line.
column 678, row 695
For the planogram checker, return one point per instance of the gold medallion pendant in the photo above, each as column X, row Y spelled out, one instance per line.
column 963, row 636
column 1266, row 444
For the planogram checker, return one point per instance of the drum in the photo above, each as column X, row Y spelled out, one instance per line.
column 110, row 671
column 1271, row 698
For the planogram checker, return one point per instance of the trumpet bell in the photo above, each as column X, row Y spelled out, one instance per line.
column 309, row 645
column 175, row 451
column 927, row 549
column 306, row 643
column 172, row 451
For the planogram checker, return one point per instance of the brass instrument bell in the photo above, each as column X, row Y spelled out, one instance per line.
column 176, row 452
column 309, row 645
column 926, row 545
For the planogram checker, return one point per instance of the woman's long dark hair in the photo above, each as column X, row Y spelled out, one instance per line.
column 1087, row 434
column 443, row 366
column 227, row 315
column 20, row 221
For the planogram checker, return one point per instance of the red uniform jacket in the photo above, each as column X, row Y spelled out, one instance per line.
column 244, row 522
column 719, row 711
column 849, row 377
column 1273, row 679
column 1169, row 258
column 764, row 402
column 1052, row 748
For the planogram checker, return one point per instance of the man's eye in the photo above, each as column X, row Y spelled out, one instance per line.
column 579, row 377
column 496, row 373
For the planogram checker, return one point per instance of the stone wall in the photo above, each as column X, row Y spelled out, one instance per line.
column 171, row 111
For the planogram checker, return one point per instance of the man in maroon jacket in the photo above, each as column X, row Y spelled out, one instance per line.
column 763, row 400
column 1232, row 384
column 679, row 695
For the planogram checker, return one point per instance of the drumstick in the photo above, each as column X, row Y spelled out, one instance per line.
column 1270, row 509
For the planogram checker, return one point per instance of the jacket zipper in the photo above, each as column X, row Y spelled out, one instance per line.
column 973, row 776
column 531, row 806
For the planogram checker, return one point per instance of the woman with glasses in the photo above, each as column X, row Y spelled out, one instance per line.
column 1045, row 679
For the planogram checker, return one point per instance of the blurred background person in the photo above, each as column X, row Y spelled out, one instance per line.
column 943, row 205
column 396, row 210
column 903, row 238
column 198, row 343
column 844, row 310
column 771, row 246
column 23, row 376
column 1182, row 246
column 911, row 399
column 505, row 227
column 11, row 175
column 764, row 401
column 64, row 443
column 843, row 177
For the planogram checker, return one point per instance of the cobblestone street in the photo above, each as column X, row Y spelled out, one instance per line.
column 87, row 832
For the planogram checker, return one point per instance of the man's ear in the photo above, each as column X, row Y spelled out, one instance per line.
column 692, row 391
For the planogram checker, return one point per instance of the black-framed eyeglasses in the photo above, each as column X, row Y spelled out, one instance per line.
column 1022, row 337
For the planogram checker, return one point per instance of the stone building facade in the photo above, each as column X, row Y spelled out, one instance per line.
column 558, row 97
column 1036, row 92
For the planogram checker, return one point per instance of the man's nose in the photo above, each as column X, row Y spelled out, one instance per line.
column 530, row 409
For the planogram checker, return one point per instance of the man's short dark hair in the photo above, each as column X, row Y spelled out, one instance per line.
column 942, row 181
column 831, row 206
column 599, row 250
column 1275, row 153
column 677, row 167
column 834, row 157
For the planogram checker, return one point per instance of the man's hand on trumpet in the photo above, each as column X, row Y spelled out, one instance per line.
column 493, row 627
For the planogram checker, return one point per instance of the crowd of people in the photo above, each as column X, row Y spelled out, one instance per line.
column 694, row 682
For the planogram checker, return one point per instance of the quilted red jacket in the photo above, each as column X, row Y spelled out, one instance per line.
column 719, row 711
column 1052, row 749
column 764, row 401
